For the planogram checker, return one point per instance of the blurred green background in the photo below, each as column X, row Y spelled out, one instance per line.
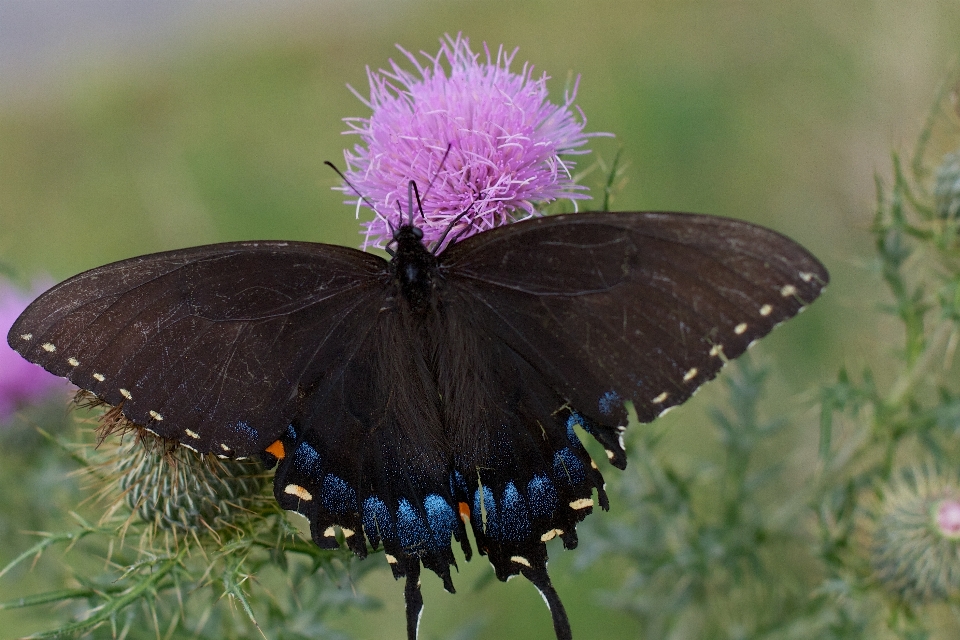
column 774, row 112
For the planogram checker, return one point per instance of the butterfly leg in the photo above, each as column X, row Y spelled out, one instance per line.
column 541, row 580
column 413, row 597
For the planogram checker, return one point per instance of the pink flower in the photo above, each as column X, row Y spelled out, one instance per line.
column 21, row 382
column 478, row 137
column 948, row 518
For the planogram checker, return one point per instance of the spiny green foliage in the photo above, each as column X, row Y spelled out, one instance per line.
column 181, row 533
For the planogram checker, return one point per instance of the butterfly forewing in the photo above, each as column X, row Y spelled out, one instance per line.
column 207, row 345
column 626, row 306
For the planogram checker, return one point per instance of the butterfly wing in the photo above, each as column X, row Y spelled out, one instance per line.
column 644, row 307
column 205, row 345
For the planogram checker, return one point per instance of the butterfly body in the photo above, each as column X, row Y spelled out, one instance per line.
column 407, row 402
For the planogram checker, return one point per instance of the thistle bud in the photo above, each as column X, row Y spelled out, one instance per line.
column 915, row 546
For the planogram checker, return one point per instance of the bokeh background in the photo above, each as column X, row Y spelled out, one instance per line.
column 140, row 126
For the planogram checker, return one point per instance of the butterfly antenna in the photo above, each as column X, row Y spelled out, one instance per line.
column 453, row 223
column 411, row 189
column 359, row 195
column 436, row 173
column 416, row 193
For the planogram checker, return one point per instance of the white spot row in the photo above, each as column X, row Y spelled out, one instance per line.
column 582, row 503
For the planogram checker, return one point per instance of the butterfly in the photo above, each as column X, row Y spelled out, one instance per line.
column 407, row 401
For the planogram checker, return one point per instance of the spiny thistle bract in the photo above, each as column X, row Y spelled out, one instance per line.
column 168, row 485
column 915, row 537
column 946, row 190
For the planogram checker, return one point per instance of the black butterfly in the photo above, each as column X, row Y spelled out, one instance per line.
column 406, row 401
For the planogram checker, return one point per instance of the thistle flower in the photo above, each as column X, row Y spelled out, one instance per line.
column 21, row 382
column 915, row 547
column 478, row 138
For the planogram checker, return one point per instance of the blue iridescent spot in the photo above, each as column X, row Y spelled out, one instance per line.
column 307, row 459
column 542, row 496
column 567, row 465
column 441, row 519
column 338, row 496
column 458, row 486
column 574, row 420
column 376, row 520
column 483, row 503
column 514, row 521
column 609, row 402
column 414, row 534
column 291, row 432
column 245, row 431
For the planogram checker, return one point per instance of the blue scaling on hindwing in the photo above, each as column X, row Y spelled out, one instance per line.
column 338, row 496
column 567, row 465
column 514, row 520
column 609, row 402
column 413, row 533
column 485, row 512
column 542, row 496
column 441, row 519
column 574, row 420
column 291, row 432
column 307, row 460
column 458, row 486
column 245, row 432
column 377, row 522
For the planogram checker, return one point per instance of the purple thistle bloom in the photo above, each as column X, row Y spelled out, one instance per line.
column 21, row 382
column 504, row 140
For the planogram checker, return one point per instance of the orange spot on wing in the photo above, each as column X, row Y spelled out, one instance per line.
column 464, row 512
column 277, row 450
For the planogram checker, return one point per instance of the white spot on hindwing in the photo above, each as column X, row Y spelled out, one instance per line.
column 390, row 558
column 520, row 560
column 806, row 276
column 26, row 336
column 99, row 377
column 73, row 362
column 224, row 447
column 766, row 310
column 690, row 375
column 550, row 535
column 660, row 398
column 328, row 532
column 192, row 434
column 155, row 415
column 788, row 290
column 582, row 503
column 126, row 394
column 48, row 346
column 740, row 328
column 300, row 492
column 716, row 350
